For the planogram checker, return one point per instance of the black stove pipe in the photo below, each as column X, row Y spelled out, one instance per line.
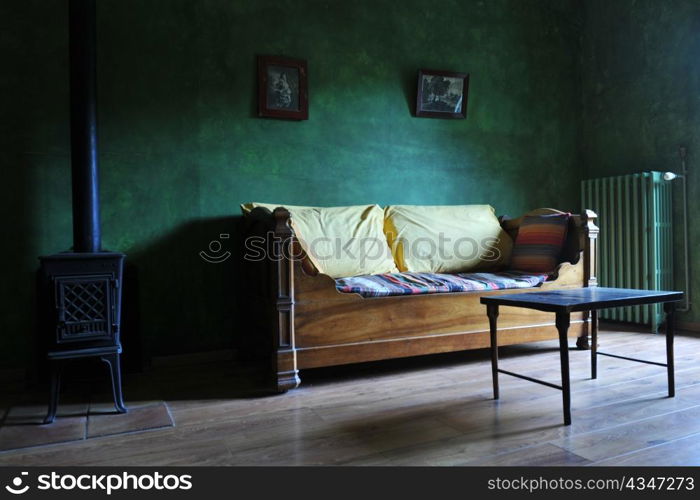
column 83, row 121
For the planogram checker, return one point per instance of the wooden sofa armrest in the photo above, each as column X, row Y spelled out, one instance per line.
column 283, row 285
column 272, row 290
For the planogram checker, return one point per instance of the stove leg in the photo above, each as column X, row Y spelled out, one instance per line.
column 112, row 361
column 55, row 389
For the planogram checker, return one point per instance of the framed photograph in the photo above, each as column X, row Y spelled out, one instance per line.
column 442, row 94
column 282, row 88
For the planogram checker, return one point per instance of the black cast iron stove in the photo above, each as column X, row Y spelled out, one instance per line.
column 80, row 290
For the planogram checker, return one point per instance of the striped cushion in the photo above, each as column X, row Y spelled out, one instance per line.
column 539, row 243
column 384, row 285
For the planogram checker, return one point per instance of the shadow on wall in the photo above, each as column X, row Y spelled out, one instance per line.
column 28, row 226
column 409, row 77
column 34, row 162
column 18, row 293
column 185, row 291
column 184, row 294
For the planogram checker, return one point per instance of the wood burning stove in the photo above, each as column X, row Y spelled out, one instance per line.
column 81, row 303
column 80, row 290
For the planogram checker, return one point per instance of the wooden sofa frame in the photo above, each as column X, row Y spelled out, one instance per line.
column 307, row 323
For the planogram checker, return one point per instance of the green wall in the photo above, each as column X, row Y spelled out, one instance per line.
column 181, row 146
column 641, row 100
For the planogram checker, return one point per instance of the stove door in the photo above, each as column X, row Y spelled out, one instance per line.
column 85, row 307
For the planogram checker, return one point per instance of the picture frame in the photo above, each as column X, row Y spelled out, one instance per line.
column 442, row 94
column 283, row 88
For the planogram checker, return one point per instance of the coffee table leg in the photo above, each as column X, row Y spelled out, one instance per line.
column 492, row 312
column 594, row 344
column 563, row 328
column 669, row 309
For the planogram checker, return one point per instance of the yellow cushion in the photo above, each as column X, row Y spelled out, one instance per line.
column 446, row 239
column 341, row 241
column 246, row 208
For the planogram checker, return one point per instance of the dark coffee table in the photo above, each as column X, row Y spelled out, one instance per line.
column 563, row 303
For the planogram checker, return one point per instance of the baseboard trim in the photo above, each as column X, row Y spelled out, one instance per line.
column 685, row 326
column 12, row 376
column 193, row 358
column 688, row 326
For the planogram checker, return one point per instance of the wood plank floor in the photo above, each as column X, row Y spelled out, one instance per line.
column 433, row 410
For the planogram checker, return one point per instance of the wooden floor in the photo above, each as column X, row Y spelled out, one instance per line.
column 427, row 411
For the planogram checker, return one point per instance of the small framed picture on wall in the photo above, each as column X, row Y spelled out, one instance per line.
column 442, row 94
column 282, row 88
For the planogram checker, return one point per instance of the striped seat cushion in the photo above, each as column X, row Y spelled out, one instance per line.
column 539, row 243
column 384, row 285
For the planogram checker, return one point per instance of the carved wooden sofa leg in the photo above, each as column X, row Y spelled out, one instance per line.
column 287, row 373
column 582, row 342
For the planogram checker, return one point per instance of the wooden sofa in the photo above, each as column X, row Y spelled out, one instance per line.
column 306, row 323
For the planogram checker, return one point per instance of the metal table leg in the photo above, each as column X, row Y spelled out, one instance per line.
column 669, row 309
column 594, row 344
column 563, row 320
column 492, row 312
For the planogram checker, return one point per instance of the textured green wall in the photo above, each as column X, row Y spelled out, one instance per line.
column 181, row 145
column 641, row 83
